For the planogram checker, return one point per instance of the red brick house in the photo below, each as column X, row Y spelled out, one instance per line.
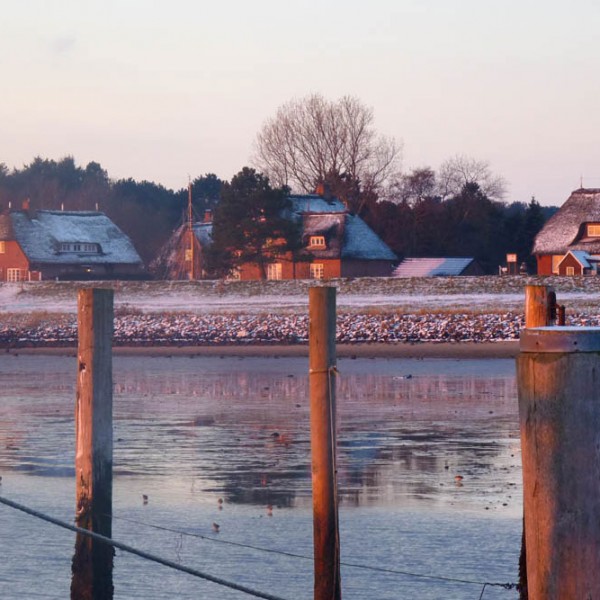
column 569, row 243
column 335, row 243
column 65, row 245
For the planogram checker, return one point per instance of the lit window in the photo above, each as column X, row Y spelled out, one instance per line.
column 274, row 271
column 570, row 270
column 593, row 230
column 2, row 247
column 15, row 275
column 317, row 270
column 316, row 241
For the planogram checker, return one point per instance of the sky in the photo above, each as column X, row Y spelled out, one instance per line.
column 164, row 91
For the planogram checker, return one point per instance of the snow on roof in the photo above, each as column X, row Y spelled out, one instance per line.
column 42, row 236
column 562, row 230
column 319, row 215
column 432, row 267
column 203, row 233
column 362, row 243
column 312, row 203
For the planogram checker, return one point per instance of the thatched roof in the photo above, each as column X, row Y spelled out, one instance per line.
column 566, row 230
column 42, row 237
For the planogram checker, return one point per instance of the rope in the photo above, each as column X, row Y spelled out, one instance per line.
column 140, row 553
column 507, row 586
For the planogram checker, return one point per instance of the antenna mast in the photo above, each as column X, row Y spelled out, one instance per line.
column 190, row 232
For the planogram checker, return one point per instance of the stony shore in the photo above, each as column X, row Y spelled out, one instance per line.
column 375, row 317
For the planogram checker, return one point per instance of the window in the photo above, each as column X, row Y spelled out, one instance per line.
column 570, row 271
column 316, row 241
column 79, row 247
column 317, row 270
column 2, row 247
column 593, row 230
column 16, row 275
column 274, row 271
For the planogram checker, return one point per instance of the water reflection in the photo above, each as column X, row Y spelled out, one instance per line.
column 239, row 427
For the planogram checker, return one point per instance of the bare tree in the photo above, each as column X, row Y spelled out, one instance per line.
column 313, row 140
column 415, row 187
column 461, row 170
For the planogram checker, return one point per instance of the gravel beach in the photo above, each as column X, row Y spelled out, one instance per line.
column 470, row 317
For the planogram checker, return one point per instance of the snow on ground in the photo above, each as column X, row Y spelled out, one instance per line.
column 457, row 294
column 483, row 309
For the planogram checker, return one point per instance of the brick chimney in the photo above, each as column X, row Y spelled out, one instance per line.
column 207, row 216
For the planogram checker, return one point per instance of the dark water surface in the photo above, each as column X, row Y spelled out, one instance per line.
column 191, row 431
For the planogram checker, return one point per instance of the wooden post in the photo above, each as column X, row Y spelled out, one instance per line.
column 538, row 299
column 538, row 311
column 558, row 373
column 93, row 561
column 322, row 364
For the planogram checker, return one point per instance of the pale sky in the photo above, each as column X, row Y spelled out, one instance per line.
column 163, row 90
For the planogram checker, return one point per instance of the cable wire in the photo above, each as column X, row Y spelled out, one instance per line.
column 506, row 586
column 140, row 553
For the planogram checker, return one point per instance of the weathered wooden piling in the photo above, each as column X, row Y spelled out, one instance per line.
column 539, row 300
column 558, row 375
column 93, row 561
column 322, row 365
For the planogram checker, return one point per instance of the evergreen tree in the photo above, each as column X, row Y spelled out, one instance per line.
column 250, row 224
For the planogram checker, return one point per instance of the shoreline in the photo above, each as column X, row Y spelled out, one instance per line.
column 454, row 350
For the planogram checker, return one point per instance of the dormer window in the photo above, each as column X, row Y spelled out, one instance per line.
column 593, row 230
column 318, row 241
column 80, row 247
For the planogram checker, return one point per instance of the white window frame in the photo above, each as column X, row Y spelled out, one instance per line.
column 316, row 241
column 274, row 271
column 16, row 275
column 593, row 230
column 317, row 270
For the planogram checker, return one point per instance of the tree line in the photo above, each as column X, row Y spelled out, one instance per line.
column 458, row 210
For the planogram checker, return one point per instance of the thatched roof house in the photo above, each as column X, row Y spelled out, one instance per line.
column 48, row 244
column 574, row 227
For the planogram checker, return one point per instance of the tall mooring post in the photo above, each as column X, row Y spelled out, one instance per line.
column 93, row 560
column 322, row 365
column 558, row 375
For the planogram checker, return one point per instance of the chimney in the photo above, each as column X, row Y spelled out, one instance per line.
column 207, row 216
column 27, row 209
column 320, row 191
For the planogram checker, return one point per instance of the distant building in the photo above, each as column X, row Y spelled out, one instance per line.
column 335, row 243
column 182, row 257
column 48, row 244
column 569, row 243
column 437, row 267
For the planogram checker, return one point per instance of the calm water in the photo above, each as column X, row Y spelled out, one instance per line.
column 189, row 431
